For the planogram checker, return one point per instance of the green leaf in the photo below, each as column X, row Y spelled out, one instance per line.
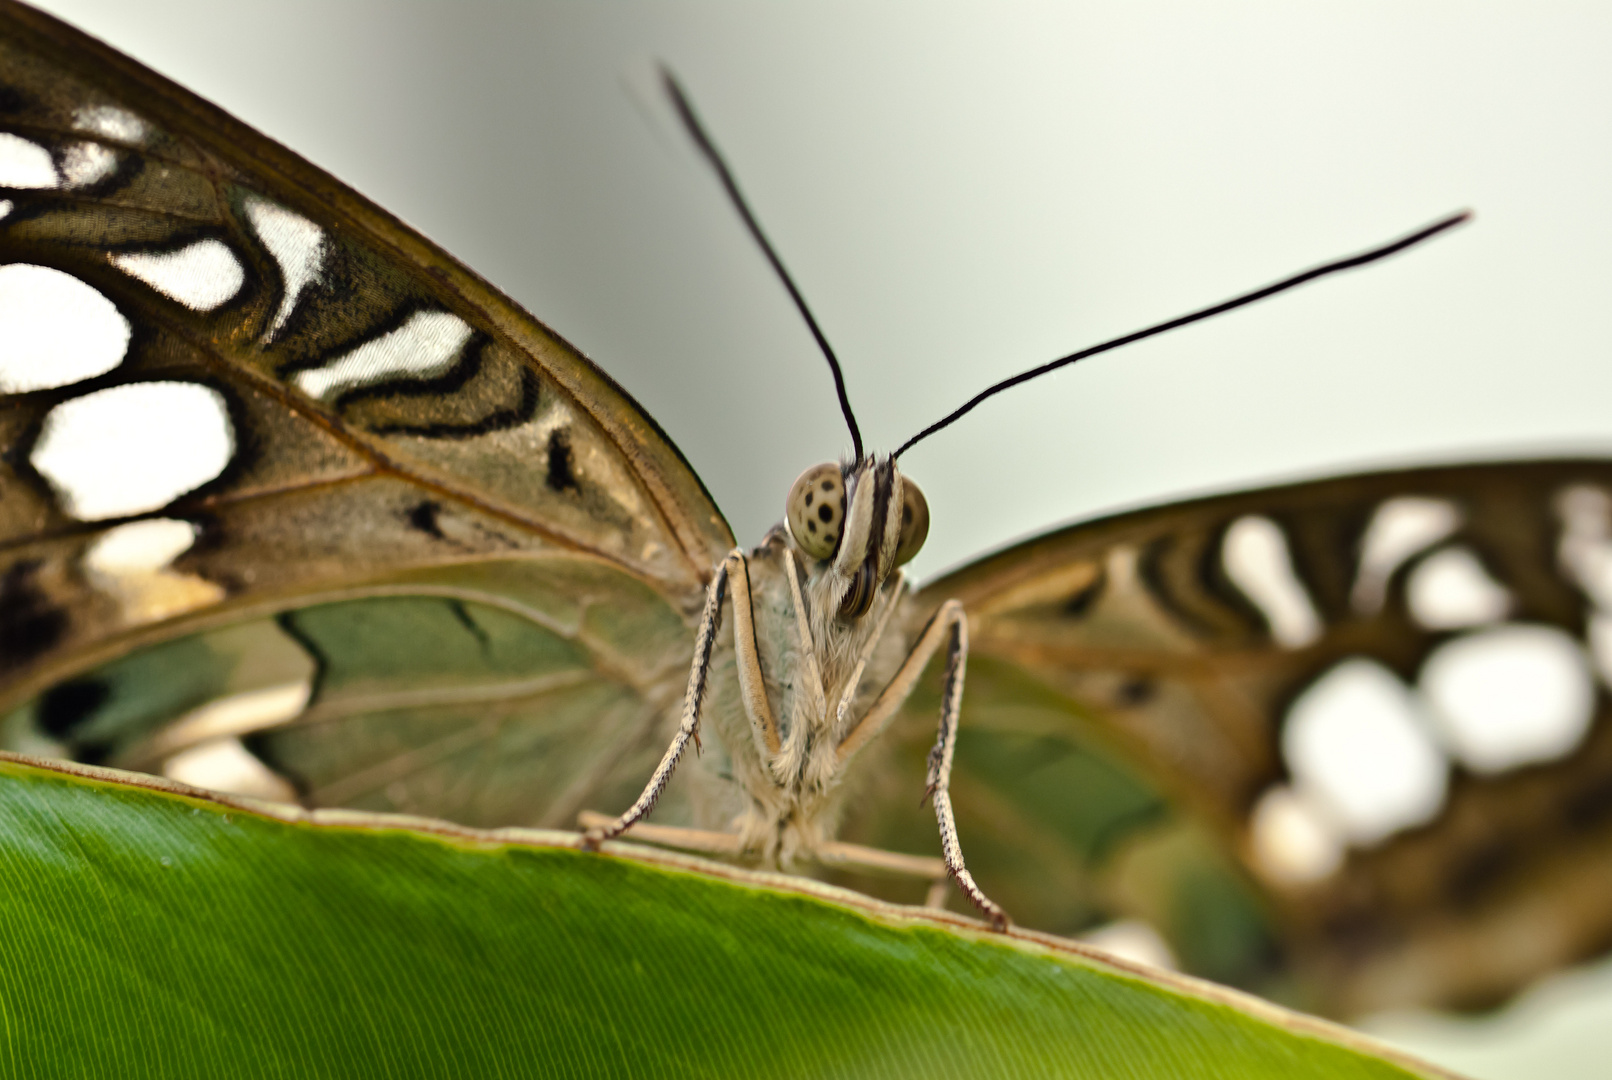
column 151, row 930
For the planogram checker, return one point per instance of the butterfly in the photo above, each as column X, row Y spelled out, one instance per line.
column 295, row 503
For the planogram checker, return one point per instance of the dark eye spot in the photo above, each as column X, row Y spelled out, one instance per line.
column 1133, row 692
column 906, row 515
column 825, row 513
column 426, row 518
column 811, row 526
column 561, row 475
column 30, row 623
column 828, row 485
column 827, row 537
column 808, row 498
column 64, row 706
column 1081, row 603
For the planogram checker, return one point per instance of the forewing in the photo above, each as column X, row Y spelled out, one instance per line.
column 1372, row 710
column 262, row 439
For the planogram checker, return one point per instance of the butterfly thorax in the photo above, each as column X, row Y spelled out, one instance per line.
column 823, row 635
column 792, row 797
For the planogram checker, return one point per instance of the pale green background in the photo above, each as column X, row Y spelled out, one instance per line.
column 967, row 190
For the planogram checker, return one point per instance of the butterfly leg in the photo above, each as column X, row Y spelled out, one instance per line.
column 948, row 627
column 688, row 727
column 734, row 571
column 938, row 786
column 835, row 853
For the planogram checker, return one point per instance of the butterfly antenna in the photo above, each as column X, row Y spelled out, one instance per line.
column 1349, row 263
column 691, row 123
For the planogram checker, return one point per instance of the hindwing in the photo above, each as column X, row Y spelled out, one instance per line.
column 1357, row 728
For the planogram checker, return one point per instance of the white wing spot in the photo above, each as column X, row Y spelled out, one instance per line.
column 112, row 122
column 133, row 448
column 1585, row 554
column 1450, row 589
column 57, row 330
column 298, row 246
column 140, row 546
column 233, row 715
column 1293, row 843
column 1256, row 559
column 1510, row 696
column 1400, row 528
column 5, row 207
column 226, row 765
column 1133, row 940
column 425, row 346
column 86, row 163
column 1357, row 745
column 1586, row 546
column 25, row 164
column 201, row 275
column 130, row 563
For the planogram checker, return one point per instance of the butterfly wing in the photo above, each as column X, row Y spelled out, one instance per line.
column 1355, row 729
column 277, row 465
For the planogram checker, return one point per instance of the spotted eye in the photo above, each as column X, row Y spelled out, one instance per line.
column 914, row 522
column 816, row 510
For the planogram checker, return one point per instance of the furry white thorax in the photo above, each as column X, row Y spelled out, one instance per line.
column 792, row 799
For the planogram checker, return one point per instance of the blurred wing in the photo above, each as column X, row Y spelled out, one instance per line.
column 277, row 466
column 1356, row 729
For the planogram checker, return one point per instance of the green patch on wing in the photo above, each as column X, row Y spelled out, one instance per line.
column 489, row 693
column 105, row 715
column 1064, row 833
column 155, row 933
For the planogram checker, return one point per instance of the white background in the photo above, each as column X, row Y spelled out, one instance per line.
column 964, row 191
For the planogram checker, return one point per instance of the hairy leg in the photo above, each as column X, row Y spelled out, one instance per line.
column 688, row 728
column 949, row 627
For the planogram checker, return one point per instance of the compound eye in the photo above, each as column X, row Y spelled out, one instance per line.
column 914, row 522
column 816, row 510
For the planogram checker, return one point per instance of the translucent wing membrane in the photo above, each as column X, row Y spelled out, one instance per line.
column 1358, row 729
column 278, row 467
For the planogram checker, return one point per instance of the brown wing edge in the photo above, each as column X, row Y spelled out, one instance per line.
column 1025, row 558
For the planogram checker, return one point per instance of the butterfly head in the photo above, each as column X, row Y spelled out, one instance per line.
column 856, row 522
